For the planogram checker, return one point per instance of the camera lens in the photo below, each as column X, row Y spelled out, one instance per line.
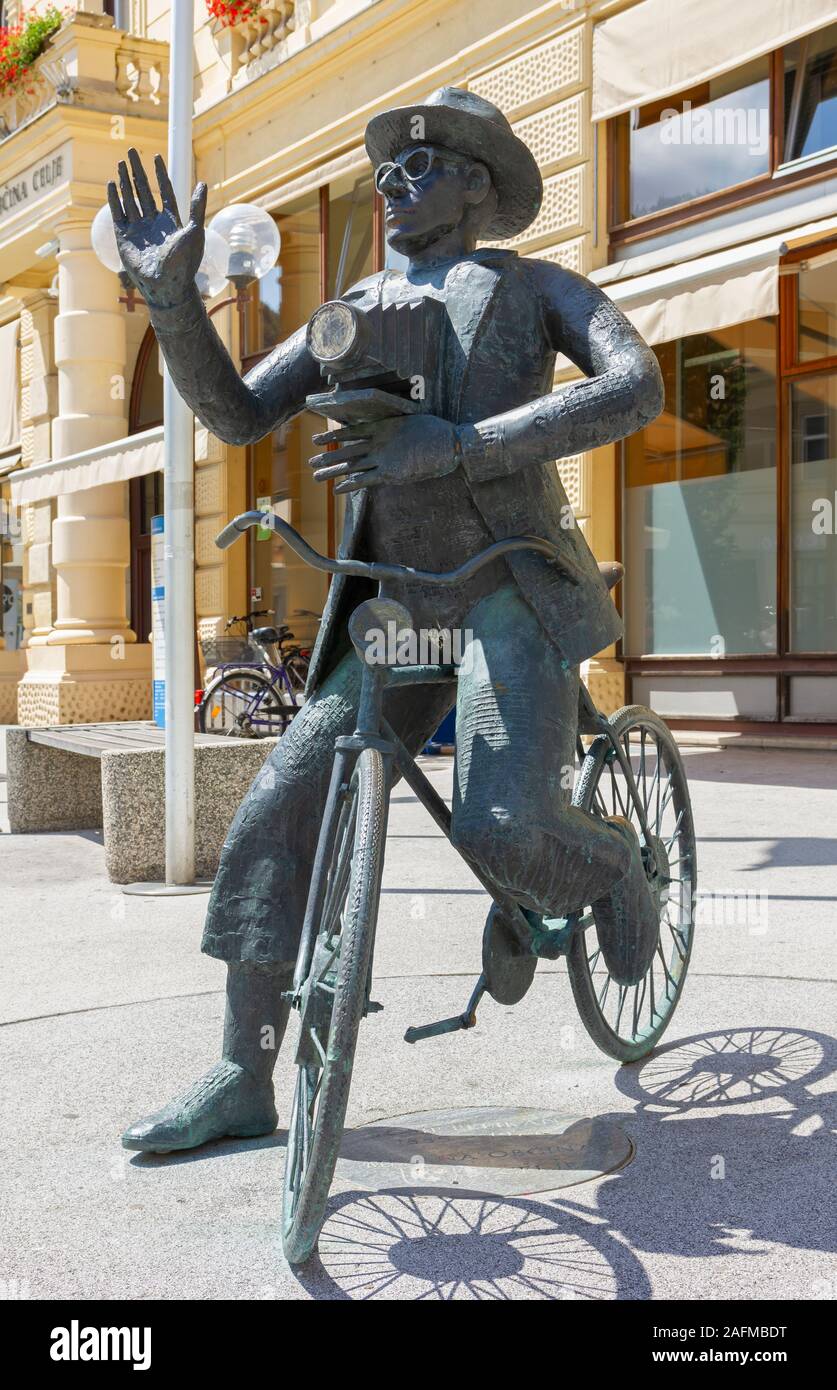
column 337, row 332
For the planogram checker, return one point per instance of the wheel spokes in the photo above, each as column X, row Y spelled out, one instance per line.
column 653, row 792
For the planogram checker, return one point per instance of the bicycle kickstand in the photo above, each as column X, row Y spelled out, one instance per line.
column 450, row 1025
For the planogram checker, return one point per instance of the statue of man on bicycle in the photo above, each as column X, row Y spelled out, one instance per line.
column 428, row 488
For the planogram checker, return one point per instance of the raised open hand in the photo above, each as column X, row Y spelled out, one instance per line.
column 160, row 255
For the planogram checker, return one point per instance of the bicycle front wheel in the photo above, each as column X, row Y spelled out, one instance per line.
column 243, row 703
column 627, row 1021
column 333, row 1001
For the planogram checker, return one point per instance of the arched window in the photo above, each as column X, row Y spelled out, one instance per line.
column 145, row 410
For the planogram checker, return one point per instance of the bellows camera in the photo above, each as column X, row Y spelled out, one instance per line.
column 376, row 353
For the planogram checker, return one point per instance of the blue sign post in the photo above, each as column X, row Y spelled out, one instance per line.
column 158, row 620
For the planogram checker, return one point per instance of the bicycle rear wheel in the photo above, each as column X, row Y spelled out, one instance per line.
column 243, row 703
column 627, row 1021
column 333, row 1000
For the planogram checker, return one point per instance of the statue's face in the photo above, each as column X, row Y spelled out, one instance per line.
column 427, row 191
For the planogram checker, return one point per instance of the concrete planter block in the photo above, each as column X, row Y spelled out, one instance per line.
column 133, row 802
column 49, row 789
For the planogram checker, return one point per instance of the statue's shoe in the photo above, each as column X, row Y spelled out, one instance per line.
column 627, row 918
column 227, row 1102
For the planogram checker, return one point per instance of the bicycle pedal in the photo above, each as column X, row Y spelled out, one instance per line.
column 450, row 1025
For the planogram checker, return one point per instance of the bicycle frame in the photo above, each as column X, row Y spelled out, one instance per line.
column 372, row 730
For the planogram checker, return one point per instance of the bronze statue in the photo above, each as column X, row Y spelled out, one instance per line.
column 427, row 488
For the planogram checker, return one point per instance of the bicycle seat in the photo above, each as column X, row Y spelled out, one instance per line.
column 611, row 572
column 265, row 634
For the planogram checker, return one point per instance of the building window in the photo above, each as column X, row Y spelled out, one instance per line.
column 11, row 571
column 700, row 500
column 736, row 138
column 330, row 241
column 811, row 404
column 700, row 142
column 145, row 493
column 729, row 516
column 279, row 475
column 810, row 95
column 350, row 235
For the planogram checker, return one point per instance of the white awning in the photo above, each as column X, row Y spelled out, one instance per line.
column 697, row 296
column 9, row 462
column 659, row 47
column 107, row 463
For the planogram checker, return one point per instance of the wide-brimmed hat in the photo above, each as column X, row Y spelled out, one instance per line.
column 470, row 125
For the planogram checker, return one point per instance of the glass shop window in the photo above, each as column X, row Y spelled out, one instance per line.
column 700, row 501
column 816, row 317
column 812, row 408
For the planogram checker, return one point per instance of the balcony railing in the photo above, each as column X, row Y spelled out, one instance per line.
column 261, row 40
column 89, row 63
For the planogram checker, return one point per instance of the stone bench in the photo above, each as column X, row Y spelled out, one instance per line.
column 111, row 777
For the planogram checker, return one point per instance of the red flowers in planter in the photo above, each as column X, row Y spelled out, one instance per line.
column 23, row 42
column 228, row 13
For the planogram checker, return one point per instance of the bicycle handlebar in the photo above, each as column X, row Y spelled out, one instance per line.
column 375, row 569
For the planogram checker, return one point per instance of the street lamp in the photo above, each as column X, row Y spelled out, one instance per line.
column 212, row 271
column 253, row 240
column 253, row 243
column 241, row 245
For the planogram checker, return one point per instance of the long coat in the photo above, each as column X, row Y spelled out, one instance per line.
column 496, row 357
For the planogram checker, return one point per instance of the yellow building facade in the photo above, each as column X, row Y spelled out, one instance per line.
column 281, row 103
column 280, row 111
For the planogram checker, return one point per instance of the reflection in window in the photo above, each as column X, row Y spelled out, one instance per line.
column 269, row 291
column 700, row 501
column 813, row 598
column 811, row 94
column 817, row 318
column 280, row 474
column 684, row 147
column 349, row 236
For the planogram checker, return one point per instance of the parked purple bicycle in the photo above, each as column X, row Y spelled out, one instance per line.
column 257, row 682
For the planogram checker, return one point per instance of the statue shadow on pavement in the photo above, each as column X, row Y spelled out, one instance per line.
column 710, row 1175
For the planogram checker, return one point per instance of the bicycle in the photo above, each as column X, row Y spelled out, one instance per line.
column 632, row 767
column 258, row 683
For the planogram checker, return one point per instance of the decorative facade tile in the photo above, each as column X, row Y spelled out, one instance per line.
column 569, row 471
column 574, row 255
column 562, row 211
column 207, row 446
column 558, row 134
column 536, row 75
column 209, row 482
column 206, row 551
column 209, row 590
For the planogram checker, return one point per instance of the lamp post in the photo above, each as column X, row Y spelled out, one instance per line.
column 179, row 504
column 242, row 244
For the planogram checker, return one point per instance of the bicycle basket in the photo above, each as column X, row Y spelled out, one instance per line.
column 220, row 651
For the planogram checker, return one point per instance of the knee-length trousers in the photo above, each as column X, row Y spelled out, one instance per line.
column 516, row 717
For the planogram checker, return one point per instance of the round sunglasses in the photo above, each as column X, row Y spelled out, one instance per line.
column 414, row 167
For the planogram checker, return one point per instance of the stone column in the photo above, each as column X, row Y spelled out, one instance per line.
column 89, row 666
column 39, row 404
